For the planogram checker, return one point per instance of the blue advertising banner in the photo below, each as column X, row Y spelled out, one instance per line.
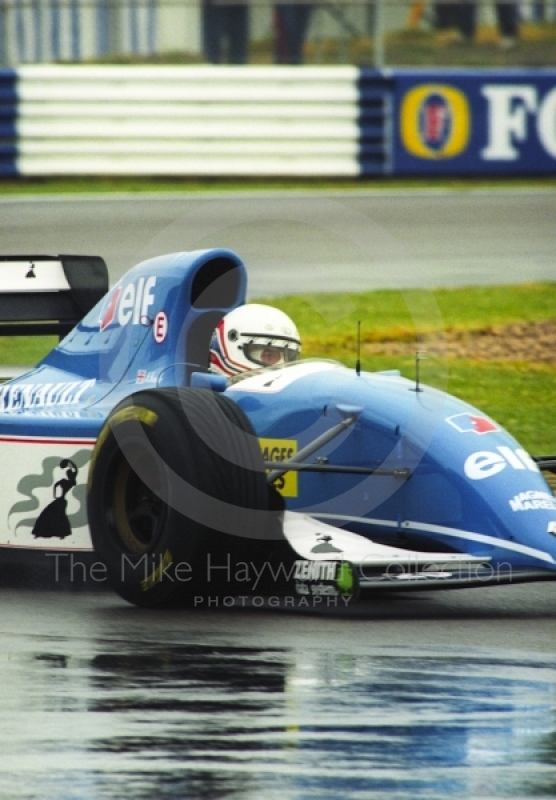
column 474, row 122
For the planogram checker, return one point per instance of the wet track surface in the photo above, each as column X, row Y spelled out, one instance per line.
column 433, row 695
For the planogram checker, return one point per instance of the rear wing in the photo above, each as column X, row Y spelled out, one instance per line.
column 44, row 295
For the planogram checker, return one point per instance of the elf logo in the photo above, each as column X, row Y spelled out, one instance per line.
column 129, row 303
column 486, row 463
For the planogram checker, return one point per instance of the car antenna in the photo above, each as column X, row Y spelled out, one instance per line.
column 358, row 361
column 419, row 356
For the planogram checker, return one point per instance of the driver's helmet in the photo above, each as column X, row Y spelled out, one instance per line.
column 252, row 337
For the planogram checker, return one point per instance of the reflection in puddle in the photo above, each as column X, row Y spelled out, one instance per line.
column 199, row 721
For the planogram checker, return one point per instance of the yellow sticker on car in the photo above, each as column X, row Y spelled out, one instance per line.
column 281, row 450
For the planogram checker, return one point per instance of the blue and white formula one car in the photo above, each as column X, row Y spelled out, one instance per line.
column 127, row 463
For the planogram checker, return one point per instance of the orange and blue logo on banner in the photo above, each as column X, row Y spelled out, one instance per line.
column 435, row 121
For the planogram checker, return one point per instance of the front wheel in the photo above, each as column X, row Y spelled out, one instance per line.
column 177, row 496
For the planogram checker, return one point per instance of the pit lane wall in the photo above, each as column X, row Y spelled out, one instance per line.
column 255, row 121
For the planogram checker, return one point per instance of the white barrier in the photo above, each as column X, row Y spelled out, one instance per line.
column 188, row 121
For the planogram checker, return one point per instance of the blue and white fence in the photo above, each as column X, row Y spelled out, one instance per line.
column 275, row 121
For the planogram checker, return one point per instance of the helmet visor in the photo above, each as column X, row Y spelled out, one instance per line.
column 272, row 353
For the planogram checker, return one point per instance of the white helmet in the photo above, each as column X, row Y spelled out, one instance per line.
column 251, row 337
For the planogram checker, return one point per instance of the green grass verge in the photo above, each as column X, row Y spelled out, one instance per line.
column 519, row 395
column 187, row 185
column 329, row 321
column 516, row 394
column 16, row 351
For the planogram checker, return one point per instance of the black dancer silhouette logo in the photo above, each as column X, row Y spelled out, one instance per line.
column 31, row 488
column 53, row 520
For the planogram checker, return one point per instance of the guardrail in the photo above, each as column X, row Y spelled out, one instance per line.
column 275, row 121
column 187, row 121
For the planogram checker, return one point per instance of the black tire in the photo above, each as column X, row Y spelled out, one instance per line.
column 177, row 489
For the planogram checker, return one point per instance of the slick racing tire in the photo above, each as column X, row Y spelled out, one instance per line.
column 177, row 494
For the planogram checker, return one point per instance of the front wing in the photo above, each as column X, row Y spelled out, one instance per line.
column 331, row 560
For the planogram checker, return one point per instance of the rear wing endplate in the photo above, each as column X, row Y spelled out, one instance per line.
column 44, row 295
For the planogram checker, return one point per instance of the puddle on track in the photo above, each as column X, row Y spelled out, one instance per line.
column 450, row 695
